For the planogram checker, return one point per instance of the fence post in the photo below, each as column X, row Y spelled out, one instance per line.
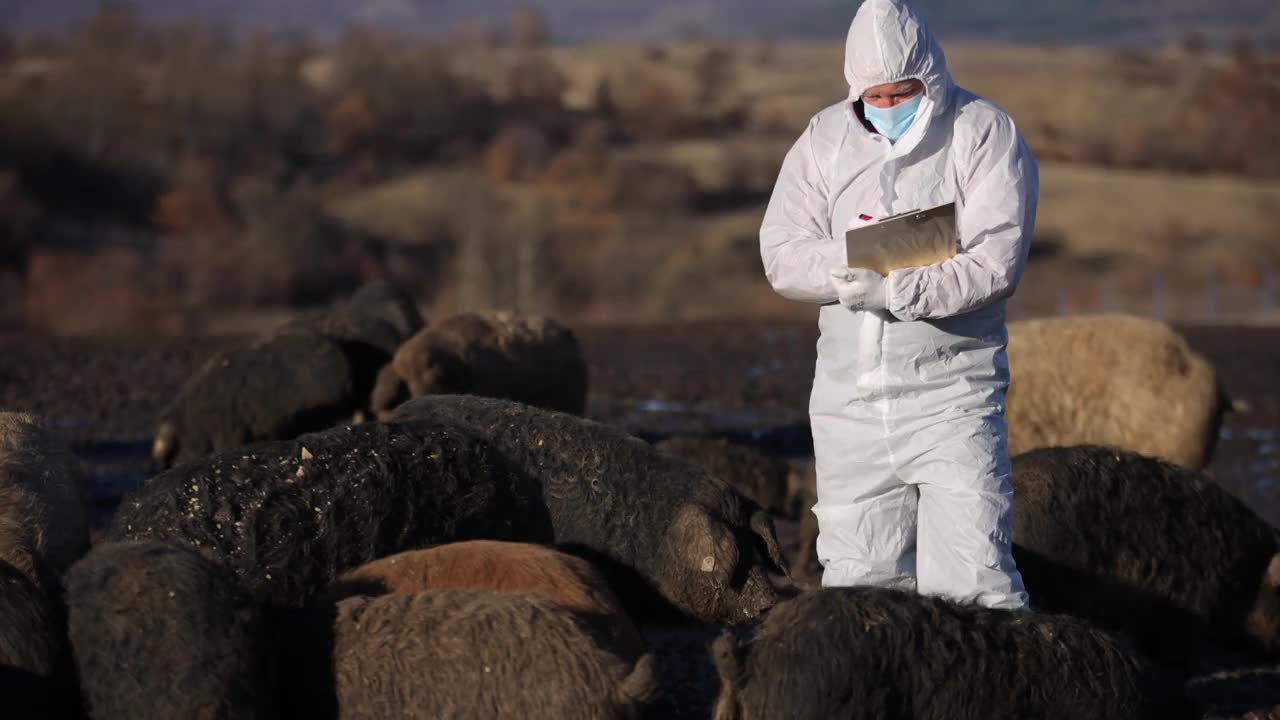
column 1157, row 296
column 528, row 252
column 1268, row 288
column 1211, row 295
column 471, row 260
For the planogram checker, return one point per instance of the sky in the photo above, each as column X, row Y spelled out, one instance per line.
column 1101, row 22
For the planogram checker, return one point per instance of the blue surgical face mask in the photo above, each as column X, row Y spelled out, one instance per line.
column 893, row 122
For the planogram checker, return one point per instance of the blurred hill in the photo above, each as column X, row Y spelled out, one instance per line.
column 1138, row 23
column 157, row 176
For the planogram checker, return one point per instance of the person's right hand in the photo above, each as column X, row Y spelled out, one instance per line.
column 860, row 289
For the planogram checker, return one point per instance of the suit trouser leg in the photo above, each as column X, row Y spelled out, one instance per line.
column 964, row 540
column 866, row 514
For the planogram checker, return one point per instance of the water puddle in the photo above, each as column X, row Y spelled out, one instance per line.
column 773, row 431
column 1247, row 464
column 112, row 468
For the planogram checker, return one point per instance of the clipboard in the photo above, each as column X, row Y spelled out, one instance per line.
column 912, row 239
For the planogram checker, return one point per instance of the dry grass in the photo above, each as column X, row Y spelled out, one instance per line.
column 1054, row 93
column 616, row 182
column 1096, row 227
column 1144, row 214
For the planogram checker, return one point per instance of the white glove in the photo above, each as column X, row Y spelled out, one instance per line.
column 860, row 289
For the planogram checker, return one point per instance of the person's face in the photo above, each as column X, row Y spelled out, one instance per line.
column 890, row 94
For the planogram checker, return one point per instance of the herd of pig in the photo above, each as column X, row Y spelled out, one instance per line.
column 362, row 517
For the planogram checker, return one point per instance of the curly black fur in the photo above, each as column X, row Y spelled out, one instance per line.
column 289, row 516
column 44, row 526
column 878, row 654
column 314, row 371
column 157, row 631
column 391, row 304
column 767, row 480
column 1146, row 547
column 34, row 674
column 369, row 327
column 530, row 360
column 459, row 654
column 276, row 388
column 703, row 547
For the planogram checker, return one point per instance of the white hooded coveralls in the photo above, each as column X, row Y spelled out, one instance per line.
column 911, row 444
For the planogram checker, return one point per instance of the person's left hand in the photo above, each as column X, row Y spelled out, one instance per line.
column 860, row 289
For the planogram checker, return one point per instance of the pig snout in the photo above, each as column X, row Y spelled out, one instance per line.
column 760, row 593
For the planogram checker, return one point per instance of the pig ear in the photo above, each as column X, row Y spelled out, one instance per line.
column 762, row 526
column 1272, row 578
column 704, row 543
column 165, row 444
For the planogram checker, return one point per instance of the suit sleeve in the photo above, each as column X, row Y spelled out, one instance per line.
column 796, row 245
column 999, row 193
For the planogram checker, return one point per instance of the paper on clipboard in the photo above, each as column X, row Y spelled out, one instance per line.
column 913, row 239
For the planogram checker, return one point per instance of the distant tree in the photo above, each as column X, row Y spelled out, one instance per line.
column 476, row 32
column 91, row 103
column 766, row 51
column 528, row 27
column 18, row 217
column 602, row 103
column 537, row 78
column 40, row 43
column 194, row 86
column 192, row 202
column 8, row 48
column 1243, row 51
column 518, row 153
column 656, row 54
column 114, row 26
column 352, row 125
column 1193, row 43
column 714, row 76
column 411, row 104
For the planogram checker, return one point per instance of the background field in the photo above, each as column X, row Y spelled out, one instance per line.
column 177, row 175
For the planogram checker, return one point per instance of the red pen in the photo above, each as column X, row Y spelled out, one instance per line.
column 865, row 217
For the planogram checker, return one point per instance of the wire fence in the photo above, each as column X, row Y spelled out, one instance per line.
column 1217, row 298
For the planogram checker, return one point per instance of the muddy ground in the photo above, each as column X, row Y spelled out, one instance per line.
column 747, row 380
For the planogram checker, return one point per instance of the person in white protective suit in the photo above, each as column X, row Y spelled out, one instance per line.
column 907, row 406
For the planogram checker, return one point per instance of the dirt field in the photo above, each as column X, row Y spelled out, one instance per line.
column 745, row 379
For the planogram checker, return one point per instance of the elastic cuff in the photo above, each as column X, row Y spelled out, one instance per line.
column 890, row 295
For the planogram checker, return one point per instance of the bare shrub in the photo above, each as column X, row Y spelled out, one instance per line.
column 518, row 153
column 645, row 186
column 652, row 109
column 413, row 105
column 581, row 164
column 528, row 27
column 295, row 254
column 18, row 220
column 85, row 292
